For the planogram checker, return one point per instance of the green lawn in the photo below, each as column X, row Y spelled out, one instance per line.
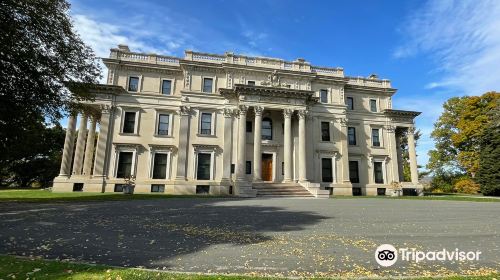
column 38, row 195
column 23, row 268
column 450, row 197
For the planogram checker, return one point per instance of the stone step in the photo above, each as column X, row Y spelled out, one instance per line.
column 281, row 190
column 284, row 191
column 287, row 195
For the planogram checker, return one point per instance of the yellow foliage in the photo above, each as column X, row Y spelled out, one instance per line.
column 466, row 186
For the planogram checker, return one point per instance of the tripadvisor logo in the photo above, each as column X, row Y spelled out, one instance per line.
column 386, row 255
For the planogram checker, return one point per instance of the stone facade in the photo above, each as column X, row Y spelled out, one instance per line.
column 221, row 123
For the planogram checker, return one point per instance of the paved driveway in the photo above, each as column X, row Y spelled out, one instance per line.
column 292, row 237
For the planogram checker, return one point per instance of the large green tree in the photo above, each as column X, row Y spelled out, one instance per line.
column 488, row 174
column 44, row 68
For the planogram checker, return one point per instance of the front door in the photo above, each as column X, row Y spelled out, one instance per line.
column 267, row 167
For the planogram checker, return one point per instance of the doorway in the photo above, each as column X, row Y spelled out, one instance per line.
column 267, row 167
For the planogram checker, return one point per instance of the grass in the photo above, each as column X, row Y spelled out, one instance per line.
column 430, row 196
column 40, row 195
column 23, row 268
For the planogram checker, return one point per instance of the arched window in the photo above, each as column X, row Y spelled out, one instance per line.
column 267, row 129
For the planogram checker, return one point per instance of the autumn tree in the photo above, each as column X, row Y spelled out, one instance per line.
column 44, row 68
column 458, row 133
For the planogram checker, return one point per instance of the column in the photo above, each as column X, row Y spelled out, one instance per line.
column 182, row 152
column 68, row 147
column 287, row 145
column 302, row 146
column 102, row 142
column 242, row 131
column 89, row 149
column 80, row 146
column 227, row 148
column 393, row 151
column 257, row 140
column 345, row 152
column 413, row 155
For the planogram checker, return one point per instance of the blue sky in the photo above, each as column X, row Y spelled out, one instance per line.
column 430, row 50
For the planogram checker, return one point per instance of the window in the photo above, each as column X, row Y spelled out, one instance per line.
column 133, row 84
column 380, row 191
column 323, row 96
column 326, row 170
column 373, row 105
column 158, row 188
column 267, row 129
column 375, row 137
column 357, row 192
column 166, row 87
column 163, row 124
column 232, row 168
column 203, row 189
column 129, row 122
column 353, row 172
column 203, row 170
column 160, row 166
column 282, row 168
column 119, row 187
column 207, row 85
column 351, row 135
column 379, row 175
column 248, row 167
column 206, row 123
column 249, row 126
column 78, row 187
column 124, row 169
column 325, row 131
column 350, row 103
column 251, row 83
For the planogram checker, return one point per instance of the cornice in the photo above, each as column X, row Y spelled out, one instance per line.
column 384, row 91
column 401, row 113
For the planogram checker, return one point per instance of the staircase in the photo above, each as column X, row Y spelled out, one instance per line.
column 281, row 190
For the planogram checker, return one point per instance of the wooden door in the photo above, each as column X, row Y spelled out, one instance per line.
column 267, row 167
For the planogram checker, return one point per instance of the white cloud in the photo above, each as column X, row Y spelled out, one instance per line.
column 463, row 37
column 463, row 40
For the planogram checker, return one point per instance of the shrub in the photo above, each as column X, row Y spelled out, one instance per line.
column 466, row 185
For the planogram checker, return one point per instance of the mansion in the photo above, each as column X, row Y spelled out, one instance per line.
column 237, row 125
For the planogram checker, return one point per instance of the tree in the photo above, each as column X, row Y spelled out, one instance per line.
column 38, row 157
column 44, row 68
column 488, row 174
column 458, row 132
column 458, row 135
